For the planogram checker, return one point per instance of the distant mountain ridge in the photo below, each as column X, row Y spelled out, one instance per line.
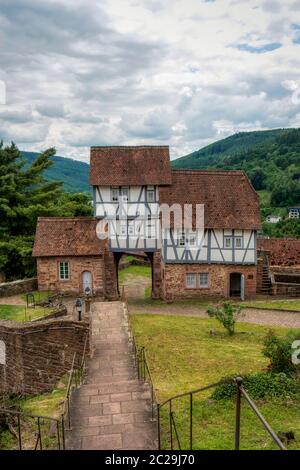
column 73, row 173
column 215, row 153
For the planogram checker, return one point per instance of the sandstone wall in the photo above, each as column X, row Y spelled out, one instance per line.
column 34, row 356
column 48, row 274
column 174, row 280
column 18, row 287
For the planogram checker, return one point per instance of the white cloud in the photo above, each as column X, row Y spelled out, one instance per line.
column 81, row 73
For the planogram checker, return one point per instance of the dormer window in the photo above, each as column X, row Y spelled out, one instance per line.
column 150, row 193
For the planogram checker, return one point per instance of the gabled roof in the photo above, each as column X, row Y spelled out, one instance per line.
column 230, row 202
column 67, row 236
column 282, row 251
column 132, row 166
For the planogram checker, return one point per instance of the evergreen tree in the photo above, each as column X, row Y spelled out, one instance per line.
column 24, row 196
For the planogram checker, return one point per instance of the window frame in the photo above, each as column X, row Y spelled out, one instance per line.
column 204, row 286
column 228, row 238
column 238, row 237
column 62, row 270
column 150, row 190
column 186, row 280
column 112, row 190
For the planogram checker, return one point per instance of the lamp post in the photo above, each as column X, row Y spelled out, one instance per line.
column 78, row 306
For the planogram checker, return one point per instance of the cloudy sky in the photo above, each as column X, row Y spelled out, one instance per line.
column 120, row 72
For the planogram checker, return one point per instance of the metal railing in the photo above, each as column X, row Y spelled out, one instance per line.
column 76, row 375
column 42, row 426
column 173, row 429
column 141, row 363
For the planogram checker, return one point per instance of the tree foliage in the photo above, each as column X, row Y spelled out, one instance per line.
column 25, row 195
column 227, row 314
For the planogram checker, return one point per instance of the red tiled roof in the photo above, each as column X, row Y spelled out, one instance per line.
column 230, row 202
column 130, row 166
column 282, row 251
column 67, row 236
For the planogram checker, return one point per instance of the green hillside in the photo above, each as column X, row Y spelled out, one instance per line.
column 271, row 159
column 218, row 151
column 73, row 173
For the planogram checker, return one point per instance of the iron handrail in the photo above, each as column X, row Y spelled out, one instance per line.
column 241, row 392
column 59, row 426
column 259, row 415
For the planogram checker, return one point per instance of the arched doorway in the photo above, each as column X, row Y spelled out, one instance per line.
column 235, row 285
column 87, row 282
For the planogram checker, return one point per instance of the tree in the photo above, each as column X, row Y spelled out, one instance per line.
column 226, row 314
column 24, row 196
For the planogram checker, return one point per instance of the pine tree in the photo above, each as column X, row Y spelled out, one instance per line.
column 25, row 195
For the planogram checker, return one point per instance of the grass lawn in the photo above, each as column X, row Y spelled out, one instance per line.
column 47, row 405
column 271, row 304
column 39, row 296
column 134, row 271
column 20, row 313
column 184, row 356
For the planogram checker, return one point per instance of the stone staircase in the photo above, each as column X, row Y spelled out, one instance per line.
column 112, row 409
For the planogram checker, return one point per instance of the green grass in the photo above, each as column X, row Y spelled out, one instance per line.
column 184, row 356
column 39, row 296
column 271, row 304
column 134, row 271
column 203, row 304
column 19, row 313
column 47, row 405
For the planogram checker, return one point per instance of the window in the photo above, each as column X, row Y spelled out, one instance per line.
column 238, row 242
column 124, row 193
column 64, row 271
column 228, row 242
column 192, row 239
column 150, row 194
column 123, row 230
column 203, row 279
column 115, row 194
column 294, row 214
column 131, row 230
column 181, row 238
column 191, row 281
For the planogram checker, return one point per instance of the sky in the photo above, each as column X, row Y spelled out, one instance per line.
column 184, row 73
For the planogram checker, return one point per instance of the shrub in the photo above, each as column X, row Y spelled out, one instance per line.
column 279, row 351
column 261, row 385
column 226, row 314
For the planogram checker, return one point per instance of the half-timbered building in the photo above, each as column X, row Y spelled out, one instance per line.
column 131, row 186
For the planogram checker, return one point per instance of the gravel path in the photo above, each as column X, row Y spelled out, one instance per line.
column 259, row 316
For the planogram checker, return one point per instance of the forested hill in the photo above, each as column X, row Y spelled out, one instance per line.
column 235, row 144
column 271, row 160
column 73, row 173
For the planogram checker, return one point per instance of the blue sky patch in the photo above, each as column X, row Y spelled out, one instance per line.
column 259, row 49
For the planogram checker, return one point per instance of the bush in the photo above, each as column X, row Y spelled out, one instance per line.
column 226, row 314
column 279, row 351
column 261, row 385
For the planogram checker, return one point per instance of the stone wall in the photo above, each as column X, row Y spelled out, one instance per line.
column 48, row 274
column 18, row 287
column 282, row 251
column 174, row 280
column 38, row 354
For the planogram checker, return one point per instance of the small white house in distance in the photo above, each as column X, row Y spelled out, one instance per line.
column 273, row 219
column 294, row 212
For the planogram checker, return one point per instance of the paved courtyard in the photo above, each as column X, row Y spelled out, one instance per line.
column 112, row 409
